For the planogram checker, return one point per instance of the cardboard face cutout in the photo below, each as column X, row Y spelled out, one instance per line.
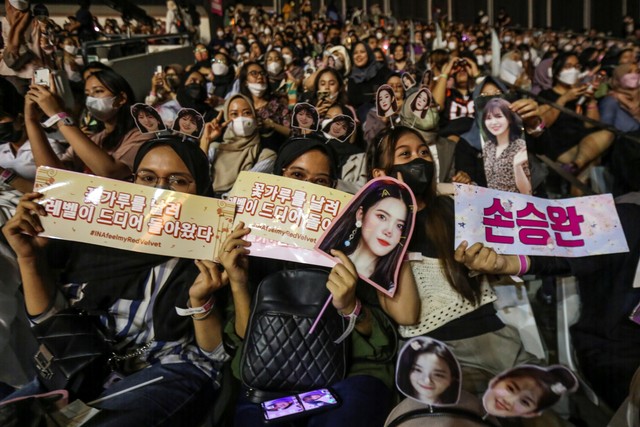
column 147, row 119
column 408, row 81
column 341, row 127
column 188, row 122
column 421, row 103
column 504, row 150
column 518, row 392
column 305, row 117
column 373, row 231
column 386, row 103
column 427, row 78
column 428, row 372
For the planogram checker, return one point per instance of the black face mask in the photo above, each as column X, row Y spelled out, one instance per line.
column 417, row 174
column 196, row 92
column 8, row 133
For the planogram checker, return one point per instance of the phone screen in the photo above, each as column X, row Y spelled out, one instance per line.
column 282, row 407
column 311, row 401
column 317, row 398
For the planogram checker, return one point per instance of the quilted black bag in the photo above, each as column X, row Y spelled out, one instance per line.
column 279, row 354
column 73, row 353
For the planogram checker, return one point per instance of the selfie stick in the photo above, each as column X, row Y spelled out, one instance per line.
column 324, row 307
column 126, row 390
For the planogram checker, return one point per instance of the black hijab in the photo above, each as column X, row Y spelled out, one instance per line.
column 296, row 147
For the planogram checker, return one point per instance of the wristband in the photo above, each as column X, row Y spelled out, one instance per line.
column 62, row 117
column 524, row 265
column 7, row 176
column 537, row 129
column 190, row 311
column 353, row 318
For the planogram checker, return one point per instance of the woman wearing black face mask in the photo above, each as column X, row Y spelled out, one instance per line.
column 466, row 319
column 194, row 95
column 17, row 168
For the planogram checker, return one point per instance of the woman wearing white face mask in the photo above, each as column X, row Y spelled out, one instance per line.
column 280, row 82
column 241, row 148
column 109, row 153
column 575, row 143
column 271, row 110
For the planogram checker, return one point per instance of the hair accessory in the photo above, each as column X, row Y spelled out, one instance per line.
column 416, row 345
column 385, row 193
column 558, row 388
column 352, row 236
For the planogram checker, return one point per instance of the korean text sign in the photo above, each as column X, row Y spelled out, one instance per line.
column 107, row 212
column 292, row 212
column 520, row 224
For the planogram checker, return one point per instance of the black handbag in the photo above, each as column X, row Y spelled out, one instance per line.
column 73, row 353
column 279, row 354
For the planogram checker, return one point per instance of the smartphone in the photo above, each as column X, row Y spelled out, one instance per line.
column 299, row 405
column 159, row 69
column 42, row 77
column 322, row 95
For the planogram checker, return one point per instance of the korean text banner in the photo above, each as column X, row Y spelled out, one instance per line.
column 292, row 212
column 519, row 224
column 107, row 212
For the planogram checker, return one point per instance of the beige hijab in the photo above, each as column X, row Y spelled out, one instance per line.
column 236, row 153
column 629, row 99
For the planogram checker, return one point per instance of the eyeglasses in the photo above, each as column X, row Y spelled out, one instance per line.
column 256, row 73
column 301, row 175
column 177, row 182
column 218, row 61
column 200, row 50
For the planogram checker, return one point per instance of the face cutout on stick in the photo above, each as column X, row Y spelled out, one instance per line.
column 341, row 127
column 147, row 119
column 421, row 103
column 428, row 372
column 188, row 122
column 408, row 81
column 305, row 117
column 386, row 103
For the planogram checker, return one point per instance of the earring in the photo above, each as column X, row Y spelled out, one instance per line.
column 352, row 236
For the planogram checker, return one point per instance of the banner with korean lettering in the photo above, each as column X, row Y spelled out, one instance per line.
column 118, row 214
column 286, row 216
column 519, row 224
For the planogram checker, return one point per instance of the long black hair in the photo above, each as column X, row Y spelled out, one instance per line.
column 439, row 228
column 118, row 86
column 341, row 231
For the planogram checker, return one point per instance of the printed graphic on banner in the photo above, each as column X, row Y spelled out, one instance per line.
column 518, row 224
column 293, row 212
column 504, row 150
column 427, row 371
column 118, row 214
column 527, row 390
column 373, row 231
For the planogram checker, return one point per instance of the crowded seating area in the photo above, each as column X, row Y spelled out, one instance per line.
column 397, row 116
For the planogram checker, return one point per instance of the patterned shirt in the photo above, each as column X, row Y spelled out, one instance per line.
column 500, row 170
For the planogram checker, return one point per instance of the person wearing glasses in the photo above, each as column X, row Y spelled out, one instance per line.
column 271, row 110
column 186, row 353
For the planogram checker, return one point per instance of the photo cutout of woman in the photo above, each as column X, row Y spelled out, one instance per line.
column 189, row 122
column 408, row 81
column 421, row 103
column 504, row 150
column 341, row 127
column 427, row 78
column 386, row 103
column 526, row 390
column 280, row 407
column 305, row 117
column 428, row 372
column 147, row 119
column 373, row 230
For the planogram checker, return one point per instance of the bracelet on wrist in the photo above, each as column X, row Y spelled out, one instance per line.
column 7, row 176
column 190, row 311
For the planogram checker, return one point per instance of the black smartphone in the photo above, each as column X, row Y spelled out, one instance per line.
column 299, row 405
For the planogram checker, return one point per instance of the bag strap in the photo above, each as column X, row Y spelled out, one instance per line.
column 440, row 412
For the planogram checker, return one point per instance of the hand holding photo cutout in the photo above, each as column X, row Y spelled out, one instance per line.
column 526, row 390
column 373, row 231
column 386, row 103
column 428, row 372
column 421, row 103
column 408, row 81
column 147, row 119
column 341, row 127
column 188, row 122
column 305, row 117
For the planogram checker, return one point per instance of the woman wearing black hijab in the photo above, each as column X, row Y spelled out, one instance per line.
column 136, row 295
column 366, row 76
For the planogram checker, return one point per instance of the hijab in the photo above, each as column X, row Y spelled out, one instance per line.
column 472, row 136
column 629, row 99
column 236, row 153
column 371, row 68
column 542, row 79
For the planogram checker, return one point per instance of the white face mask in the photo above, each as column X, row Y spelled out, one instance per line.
column 101, row 108
column 484, row 19
column 569, row 77
column 506, row 39
column 243, row 126
column 288, row 59
column 257, row 89
column 267, row 31
column 480, row 60
column 452, row 45
column 510, row 70
column 71, row 49
column 220, row 34
column 378, row 36
column 487, row 58
column 219, row 69
column 240, row 48
column 274, row 68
